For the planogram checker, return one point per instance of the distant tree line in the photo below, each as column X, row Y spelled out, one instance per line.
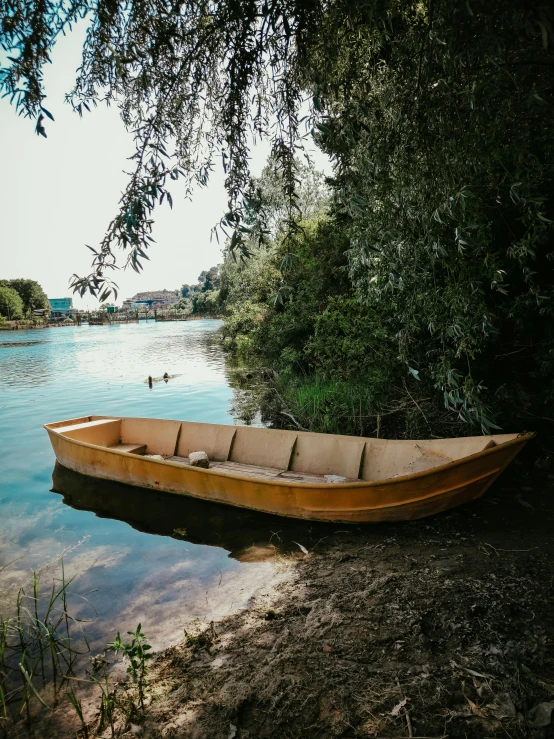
column 20, row 297
column 203, row 297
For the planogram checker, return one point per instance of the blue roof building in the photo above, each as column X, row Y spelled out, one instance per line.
column 60, row 305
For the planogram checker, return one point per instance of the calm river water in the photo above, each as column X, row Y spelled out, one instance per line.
column 121, row 543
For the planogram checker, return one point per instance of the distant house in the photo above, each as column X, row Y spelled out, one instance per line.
column 60, row 306
column 152, row 299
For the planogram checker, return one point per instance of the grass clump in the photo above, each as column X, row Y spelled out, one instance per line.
column 42, row 651
column 40, row 644
column 137, row 654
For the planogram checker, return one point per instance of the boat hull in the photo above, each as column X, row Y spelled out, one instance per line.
column 396, row 499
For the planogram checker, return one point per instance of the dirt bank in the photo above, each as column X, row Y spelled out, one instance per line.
column 442, row 627
column 430, row 629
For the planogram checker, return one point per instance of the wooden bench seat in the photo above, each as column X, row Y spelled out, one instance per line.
column 130, row 448
column 256, row 471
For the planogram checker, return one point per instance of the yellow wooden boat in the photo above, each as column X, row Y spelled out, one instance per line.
column 305, row 475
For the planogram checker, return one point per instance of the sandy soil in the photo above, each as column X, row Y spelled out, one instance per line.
column 436, row 628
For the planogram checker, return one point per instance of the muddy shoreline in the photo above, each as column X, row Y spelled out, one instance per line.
column 436, row 628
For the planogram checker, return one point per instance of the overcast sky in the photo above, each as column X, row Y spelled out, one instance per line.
column 60, row 193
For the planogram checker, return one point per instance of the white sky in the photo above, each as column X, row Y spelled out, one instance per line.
column 60, row 193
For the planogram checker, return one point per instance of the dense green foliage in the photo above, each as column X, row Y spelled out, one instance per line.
column 11, row 305
column 443, row 145
column 335, row 367
column 445, row 169
column 431, row 272
column 202, row 298
column 205, row 303
column 310, row 279
column 249, row 287
column 340, row 346
column 31, row 294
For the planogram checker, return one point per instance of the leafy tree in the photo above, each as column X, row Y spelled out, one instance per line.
column 268, row 213
column 209, row 279
column 202, row 298
column 202, row 279
column 317, row 272
column 11, row 305
column 437, row 115
column 349, row 341
column 30, row 292
column 445, row 151
column 192, row 79
column 205, row 303
column 185, row 305
column 255, row 279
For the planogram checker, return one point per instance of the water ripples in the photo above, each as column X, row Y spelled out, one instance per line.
column 48, row 375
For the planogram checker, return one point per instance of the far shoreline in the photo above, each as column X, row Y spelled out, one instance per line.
column 18, row 326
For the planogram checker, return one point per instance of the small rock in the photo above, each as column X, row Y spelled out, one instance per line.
column 540, row 715
column 199, row 459
column 154, row 456
column 335, row 478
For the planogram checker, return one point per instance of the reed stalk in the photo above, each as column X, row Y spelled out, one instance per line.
column 78, row 707
column 36, row 648
column 37, row 625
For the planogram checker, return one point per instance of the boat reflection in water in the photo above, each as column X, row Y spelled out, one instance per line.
column 247, row 535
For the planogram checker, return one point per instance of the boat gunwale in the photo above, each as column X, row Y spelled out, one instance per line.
column 282, row 482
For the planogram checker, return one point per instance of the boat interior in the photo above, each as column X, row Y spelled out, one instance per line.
column 273, row 454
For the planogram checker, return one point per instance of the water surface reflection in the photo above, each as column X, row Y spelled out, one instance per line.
column 247, row 535
column 128, row 573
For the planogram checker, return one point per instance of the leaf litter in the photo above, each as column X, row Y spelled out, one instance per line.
column 384, row 631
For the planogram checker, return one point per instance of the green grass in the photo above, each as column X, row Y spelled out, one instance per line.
column 40, row 642
column 358, row 408
column 333, row 407
column 42, row 659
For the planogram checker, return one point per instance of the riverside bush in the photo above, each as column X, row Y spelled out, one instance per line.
column 438, row 121
column 349, row 341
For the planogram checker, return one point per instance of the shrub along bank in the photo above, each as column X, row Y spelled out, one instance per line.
column 30, row 296
column 201, row 299
column 334, row 364
column 433, row 277
column 18, row 299
column 348, row 361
